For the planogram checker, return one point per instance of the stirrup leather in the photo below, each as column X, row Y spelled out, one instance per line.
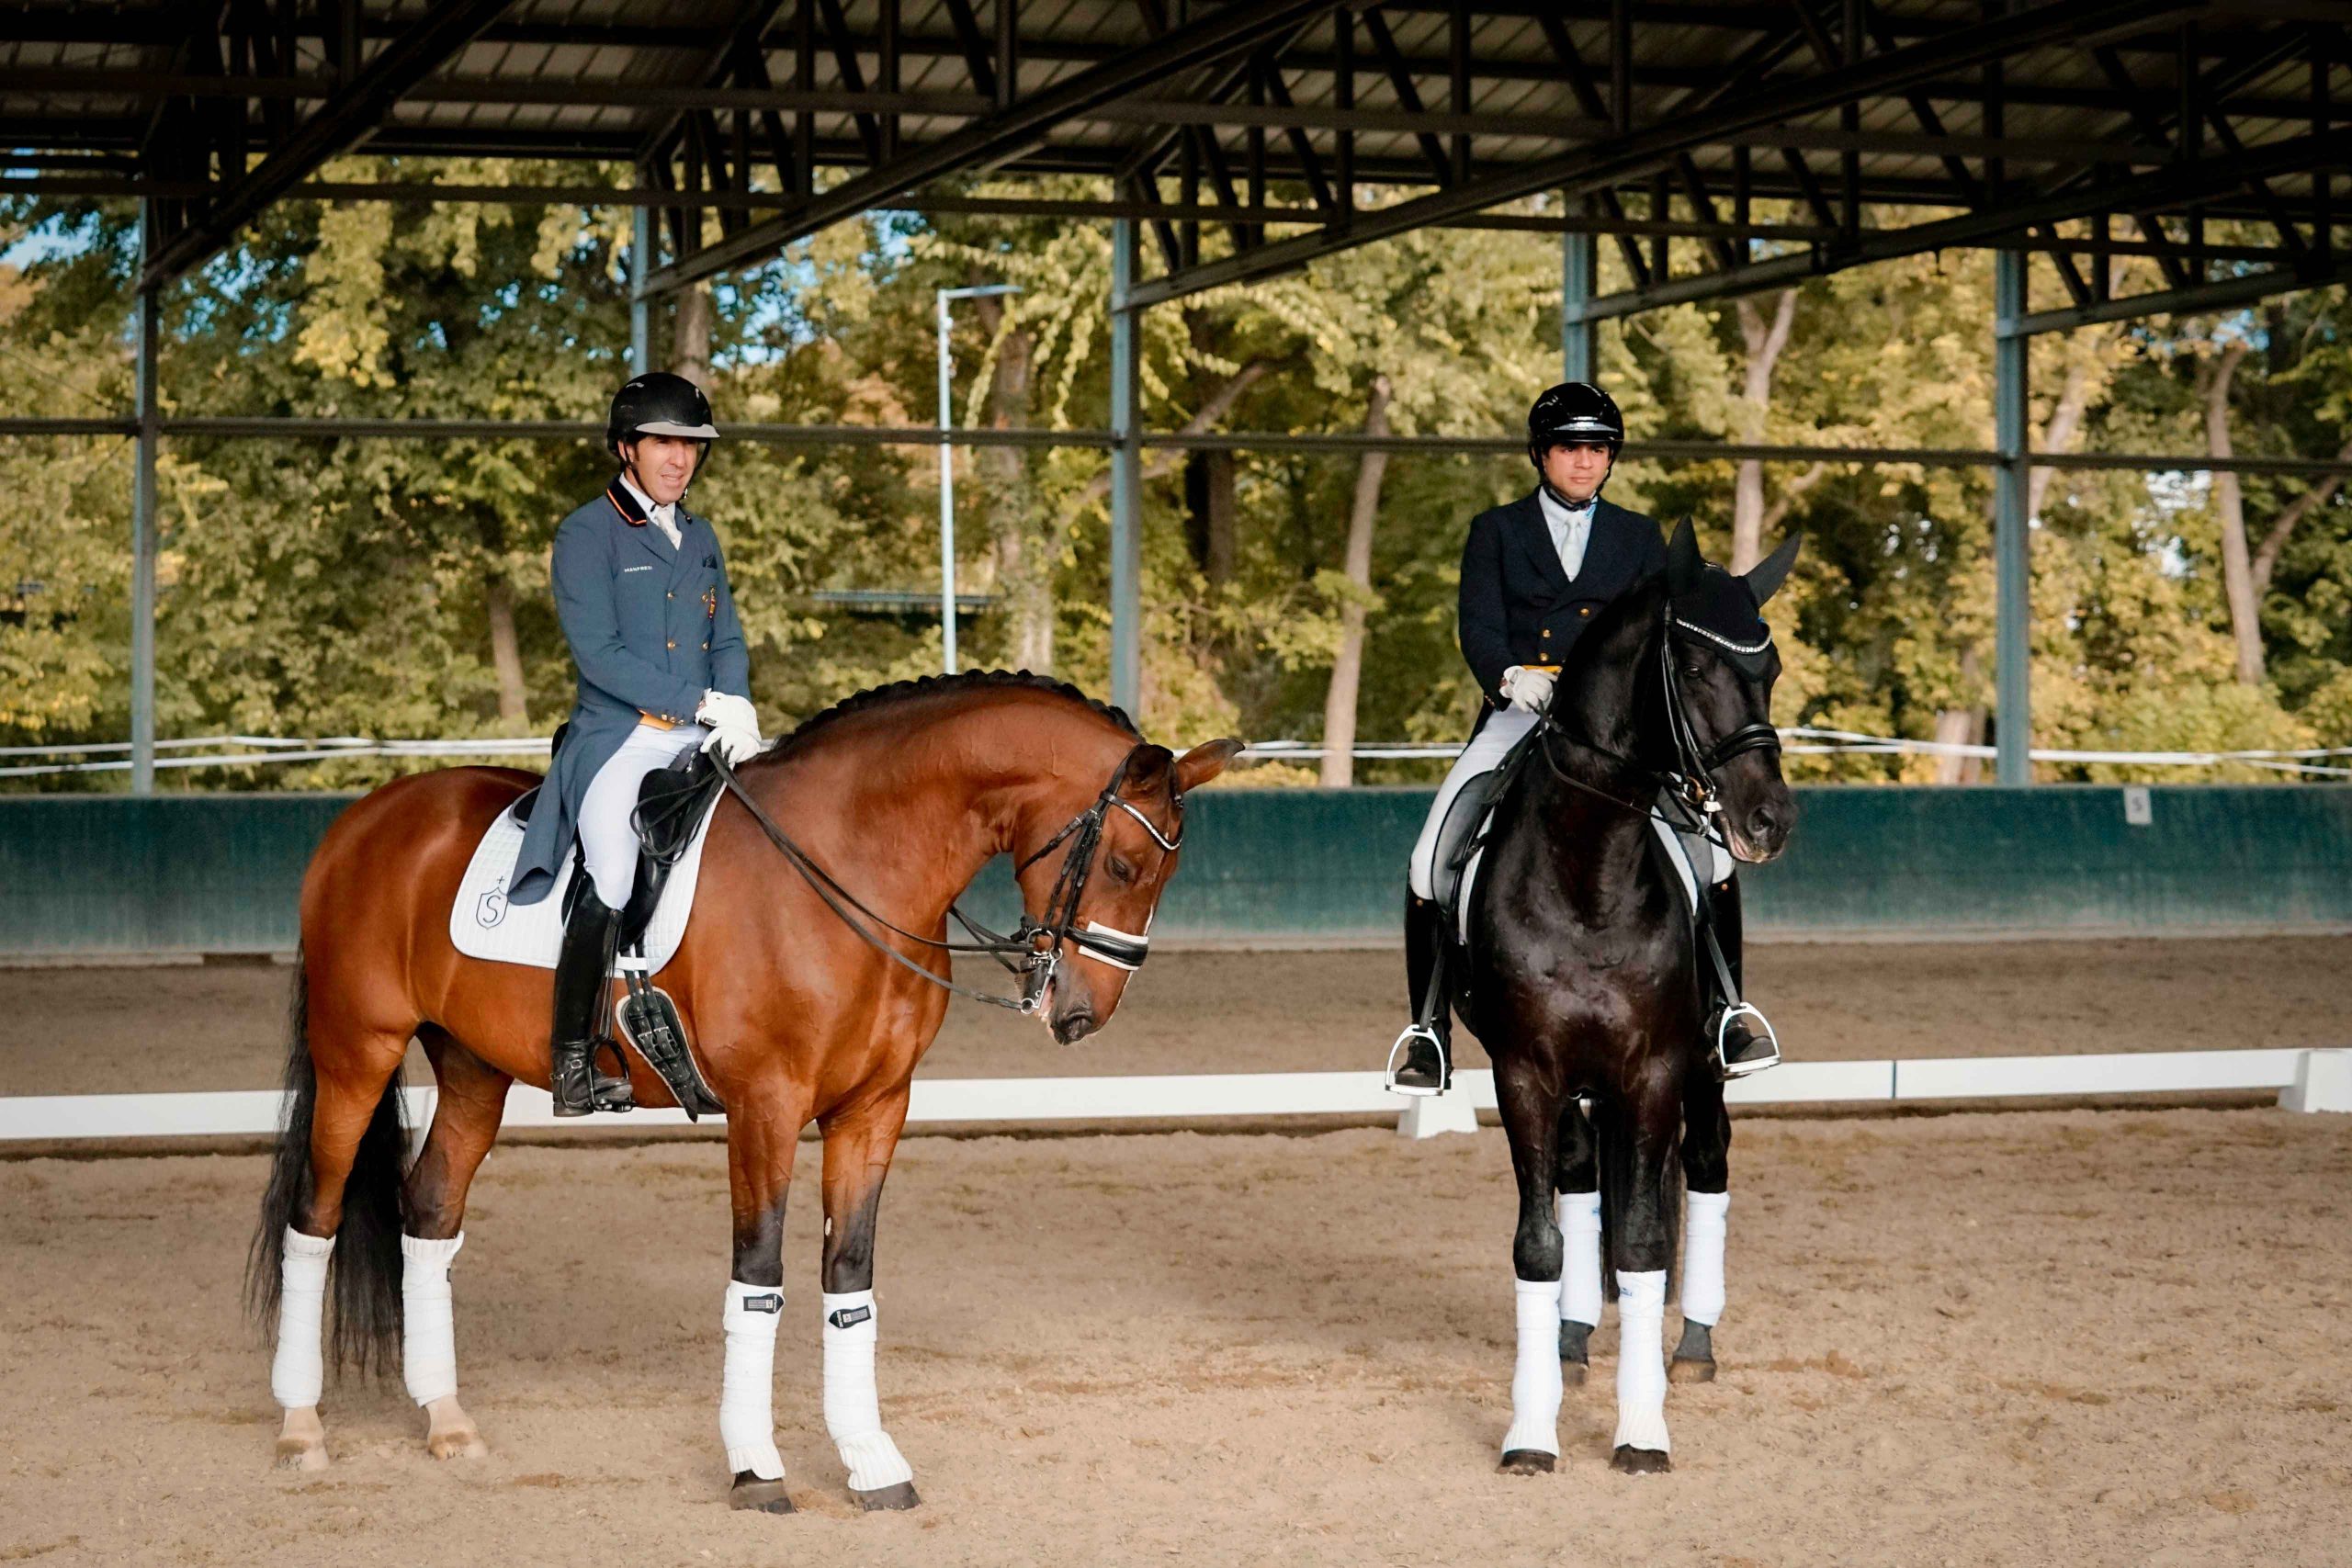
column 1760, row 1028
column 1396, row 1052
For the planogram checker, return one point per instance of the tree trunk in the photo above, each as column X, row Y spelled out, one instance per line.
column 690, row 350
column 1347, row 669
column 2265, row 558
column 506, row 654
column 1209, row 505
column 2229, row 509
column 1765, row 342
column 1024, row 560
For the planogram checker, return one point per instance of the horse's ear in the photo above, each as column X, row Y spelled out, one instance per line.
column 1764, row 578
column 1204, row 762
column 1684, row 564
column 1147, row 768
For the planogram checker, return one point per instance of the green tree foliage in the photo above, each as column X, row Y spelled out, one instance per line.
column 399, row 587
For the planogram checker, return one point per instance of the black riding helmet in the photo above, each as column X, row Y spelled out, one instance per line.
column 1573, row 410
column 658, row 403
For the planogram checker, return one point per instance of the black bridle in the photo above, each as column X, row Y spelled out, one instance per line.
column 1017, row 951
column 1690, row 782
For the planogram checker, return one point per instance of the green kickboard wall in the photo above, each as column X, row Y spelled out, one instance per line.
column 221, row 873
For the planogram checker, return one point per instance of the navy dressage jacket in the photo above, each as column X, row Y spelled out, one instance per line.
column 651, row 629
column 1519, row 605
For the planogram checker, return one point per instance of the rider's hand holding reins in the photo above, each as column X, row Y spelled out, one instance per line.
column 1527, row 690
column 734, row 726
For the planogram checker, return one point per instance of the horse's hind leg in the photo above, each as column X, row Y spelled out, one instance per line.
column 1706, row 1178
column 764, row 1123
column 1531, row 1119
column 1638, row 1146
column 858, row 1145
column 1579, row 1213
column 466, row 1116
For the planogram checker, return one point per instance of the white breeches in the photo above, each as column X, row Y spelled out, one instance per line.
column 1484, row 754
column 606, row 838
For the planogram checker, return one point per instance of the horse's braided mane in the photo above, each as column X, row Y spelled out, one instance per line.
column 898, row 692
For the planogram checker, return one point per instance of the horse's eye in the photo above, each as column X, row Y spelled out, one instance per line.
column 1121, row 871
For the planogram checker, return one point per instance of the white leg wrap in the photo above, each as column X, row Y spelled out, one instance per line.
column 852, row 1408
column 1535, row 1379
column 1641, row 1360
column 428, row 1325
column 1580, row 1258
column 297, row 1372
column 1702, row 1257
column 747, row 1389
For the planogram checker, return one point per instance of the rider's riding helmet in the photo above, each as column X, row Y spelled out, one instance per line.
column 1573, row 410
column 658, row 403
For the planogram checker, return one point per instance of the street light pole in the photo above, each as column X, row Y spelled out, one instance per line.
column 947, row 475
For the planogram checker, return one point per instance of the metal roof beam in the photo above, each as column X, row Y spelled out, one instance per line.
column 337, row 128
column 2228, row 294
column 1604, row 165
column 999, row 136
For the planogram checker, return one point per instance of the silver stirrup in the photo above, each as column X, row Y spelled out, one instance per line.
column 1744, row 1069
column 1444, row 1064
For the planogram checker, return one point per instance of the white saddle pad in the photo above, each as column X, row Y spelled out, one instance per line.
column 1678, row 850
column 483, row 924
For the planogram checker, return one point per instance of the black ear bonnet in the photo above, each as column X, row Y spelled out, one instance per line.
column 1720, row 611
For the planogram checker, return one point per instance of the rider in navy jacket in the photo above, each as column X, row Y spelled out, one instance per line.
column 1519, row 607
column 641, row 590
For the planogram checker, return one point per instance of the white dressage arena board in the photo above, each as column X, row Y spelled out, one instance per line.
column 484, row 924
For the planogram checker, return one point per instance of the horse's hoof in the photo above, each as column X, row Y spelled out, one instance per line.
column 301, row 1453
column 1690, row 1369
column 889, row 1499
column 1640, row 1462
column 1527, row 1462
column 462, row 1443
column 762, row 1497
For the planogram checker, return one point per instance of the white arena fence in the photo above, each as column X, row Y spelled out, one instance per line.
column 2305, row 1081
column 209, row 750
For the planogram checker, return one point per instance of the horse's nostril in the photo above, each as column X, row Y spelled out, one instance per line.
column 1762, row 822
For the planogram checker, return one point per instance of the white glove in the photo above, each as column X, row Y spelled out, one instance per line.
column 726, row 710
column 1527, row 690
column 734, row 743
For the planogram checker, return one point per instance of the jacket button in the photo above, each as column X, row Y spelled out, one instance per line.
column 705, row 647
column 674, row 645
column 1584, row 609
column 669, row 596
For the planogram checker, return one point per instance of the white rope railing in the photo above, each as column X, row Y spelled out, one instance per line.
column 1796, row 741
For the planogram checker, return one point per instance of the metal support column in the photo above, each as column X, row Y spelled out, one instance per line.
column 641, row 305
column 1126, row 475
column 2012, row 555
column 1579, row 277
column 147, row 316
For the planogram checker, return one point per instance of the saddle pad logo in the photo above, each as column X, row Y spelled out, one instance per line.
column 771, row 1303
column 490, row 907
column 848, row 1317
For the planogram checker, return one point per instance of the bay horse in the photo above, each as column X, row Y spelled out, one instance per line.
column 900, row 795
column 1582, row 979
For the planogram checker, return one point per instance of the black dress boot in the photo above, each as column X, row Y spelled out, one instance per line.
column 582, row 982
column 1421, row 1061
column 1742, row 1049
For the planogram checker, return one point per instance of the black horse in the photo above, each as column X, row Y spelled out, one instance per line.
column 1582, row 977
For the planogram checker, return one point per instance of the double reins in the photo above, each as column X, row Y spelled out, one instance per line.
column 1017, row 951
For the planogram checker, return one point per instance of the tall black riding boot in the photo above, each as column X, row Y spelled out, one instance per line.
column 582, row 982
column 1421, row 1061
column 1743, row 1050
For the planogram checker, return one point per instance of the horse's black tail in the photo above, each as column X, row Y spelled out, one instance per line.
column 1613, row 1155
column 365, row 1276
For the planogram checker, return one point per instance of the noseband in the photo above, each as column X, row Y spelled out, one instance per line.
column 1019, row 951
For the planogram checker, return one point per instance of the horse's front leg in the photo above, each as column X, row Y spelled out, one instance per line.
column 466, row 1116
column 1531, row 1113
column 859, row 1141
column 1706, row 1178
column 764, row 1126
column 1638, row 1145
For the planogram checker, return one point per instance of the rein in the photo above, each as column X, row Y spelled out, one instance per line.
column 1017, row 951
